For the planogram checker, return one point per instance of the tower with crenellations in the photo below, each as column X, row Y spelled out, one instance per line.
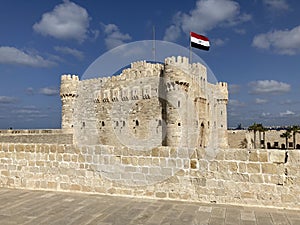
column 147, row 105
column 68, row 95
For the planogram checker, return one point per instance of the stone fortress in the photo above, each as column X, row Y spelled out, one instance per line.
column 154, row 131
column 169, row 104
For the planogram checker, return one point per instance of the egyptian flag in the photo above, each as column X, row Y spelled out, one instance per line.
column 199, row 41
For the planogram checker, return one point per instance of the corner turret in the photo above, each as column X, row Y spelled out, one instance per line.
column 68, row 95
column 222, row 101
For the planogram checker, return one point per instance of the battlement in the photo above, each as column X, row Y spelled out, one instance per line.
column 137, row 70
column 68, row 88
column 69, row 77
column 223, row 85
column 180, row 61
column 145, row 65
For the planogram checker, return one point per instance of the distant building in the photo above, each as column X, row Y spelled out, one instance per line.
column 270, row 139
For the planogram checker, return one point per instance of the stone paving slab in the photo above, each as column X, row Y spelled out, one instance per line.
column 43, row 207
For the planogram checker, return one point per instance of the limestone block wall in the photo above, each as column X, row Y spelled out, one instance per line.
column 233, row 176
column 50, row 136
column 120, row 110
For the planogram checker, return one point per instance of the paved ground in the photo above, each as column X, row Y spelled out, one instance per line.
column 41, row 207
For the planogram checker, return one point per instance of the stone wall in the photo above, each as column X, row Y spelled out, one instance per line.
column 232, row 176
column 49, row 136
column 148, row 104
column 245, row 139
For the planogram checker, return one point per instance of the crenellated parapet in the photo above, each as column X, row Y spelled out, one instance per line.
column 195, row 71
column 182, row 62
column 68, row 87
column 223, row 91
column 145, row 65
column 223, row 86
column 141, row 69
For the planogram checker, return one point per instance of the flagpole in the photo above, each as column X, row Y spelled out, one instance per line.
column 154, row 44
column 191, row 52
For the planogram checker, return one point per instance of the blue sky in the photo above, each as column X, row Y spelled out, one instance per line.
column 255, row 47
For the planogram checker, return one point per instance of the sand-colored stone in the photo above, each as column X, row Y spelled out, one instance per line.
column 253, row 168
column 277, row 156
column 269, row 168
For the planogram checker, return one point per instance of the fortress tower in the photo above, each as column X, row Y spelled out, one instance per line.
column 68, row 95
column 222, row 101
column 175, row 96
column 169, row 104
column 186, row 114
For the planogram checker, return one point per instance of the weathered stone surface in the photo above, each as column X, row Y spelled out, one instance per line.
column 263, row 156
column 39, row 136
column 253, row 156
column 241, row 155
column 269, row 168
column 253, row 168
column 222, row 181
column 256, row 178
column 277, row 156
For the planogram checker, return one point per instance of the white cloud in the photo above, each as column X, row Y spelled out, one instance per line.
column 287, row 113
column 49, row 91
column 95, row 34
column 70, row 51
column 11, row 55
column 207, row 15
column 276, row 4
column 285, row 42
column 266, row 114
column 67, row 21
column 26, row 111
column 269, row 86
column 260, row 101
column 114, row 37
column 172, row 33
column 7, row 100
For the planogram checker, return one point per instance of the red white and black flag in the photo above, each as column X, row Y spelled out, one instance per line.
column 199, row 41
